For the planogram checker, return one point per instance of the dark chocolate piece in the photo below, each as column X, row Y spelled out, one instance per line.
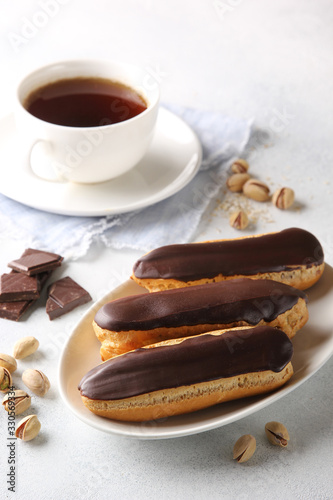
column 65, row 295
column 274, row 252
column 14, row 310
column 34, row 261
column 224, row 302
column 194, row 360
column 18, row 287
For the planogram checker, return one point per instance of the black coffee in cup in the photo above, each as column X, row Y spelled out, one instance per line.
column 84, row 102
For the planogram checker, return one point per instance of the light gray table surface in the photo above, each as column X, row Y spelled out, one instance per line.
column 270, row 61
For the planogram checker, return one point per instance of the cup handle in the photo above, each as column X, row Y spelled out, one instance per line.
column 42, row 162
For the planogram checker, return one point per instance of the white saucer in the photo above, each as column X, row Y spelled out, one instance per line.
column 313, row 346
column 171, row 162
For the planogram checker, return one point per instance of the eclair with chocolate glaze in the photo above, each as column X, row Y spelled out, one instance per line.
column 131, row 322
column 184, row 375
column 292, row 256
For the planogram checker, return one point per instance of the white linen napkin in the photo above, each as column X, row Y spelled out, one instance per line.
column 173, row 220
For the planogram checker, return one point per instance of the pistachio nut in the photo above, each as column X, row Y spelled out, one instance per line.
column 239, row 220
column 25, row 346
column 17, row 402
column 256, row 190
column 5, row 379
column 7, row 361
column 240, row 166
column 277, row 434
column 236, row 181
column 28, row 428
column 36, row 381
column 283, row 198
column 244, row 448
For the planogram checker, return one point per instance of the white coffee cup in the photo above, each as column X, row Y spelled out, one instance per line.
column 87, row 154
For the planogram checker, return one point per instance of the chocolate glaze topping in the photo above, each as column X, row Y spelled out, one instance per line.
column 224, row 302
column 194, row 360
column 274, row 252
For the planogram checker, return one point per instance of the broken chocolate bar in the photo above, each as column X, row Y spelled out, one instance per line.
column 65, row 295
column 14, row 310
column 34, row 261
column 18, row 287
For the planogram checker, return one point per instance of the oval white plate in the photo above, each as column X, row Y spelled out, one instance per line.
column 172, row 160
column 313, row 346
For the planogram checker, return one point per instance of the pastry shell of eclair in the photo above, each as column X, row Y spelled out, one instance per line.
column 300, row 276
column 118, row 342
column 186, row 399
